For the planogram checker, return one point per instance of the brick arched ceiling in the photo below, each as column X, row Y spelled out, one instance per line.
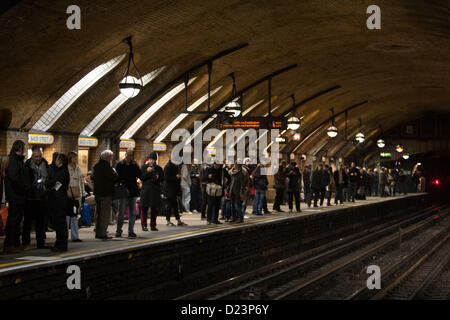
column 403, row 70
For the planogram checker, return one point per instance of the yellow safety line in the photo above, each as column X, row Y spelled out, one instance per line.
column 150, row 240
column 14, row 263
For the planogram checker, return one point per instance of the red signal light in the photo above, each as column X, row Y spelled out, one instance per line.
column 436, row 182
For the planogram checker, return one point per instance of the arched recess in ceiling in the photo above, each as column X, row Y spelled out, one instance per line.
column 399, row 69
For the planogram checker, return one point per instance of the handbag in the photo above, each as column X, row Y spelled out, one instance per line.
column 120, row 191
column 73, row 206
column 213, row 189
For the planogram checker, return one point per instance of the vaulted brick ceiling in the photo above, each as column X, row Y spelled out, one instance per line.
column 402, row 70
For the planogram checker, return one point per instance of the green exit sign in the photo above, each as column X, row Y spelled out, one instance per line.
column 385, row 155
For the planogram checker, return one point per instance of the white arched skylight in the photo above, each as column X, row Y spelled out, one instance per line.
column 180, row 118
column 131, row 131
column 49, row 118
column 114, row 105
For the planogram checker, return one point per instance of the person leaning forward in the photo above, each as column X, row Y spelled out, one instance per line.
column 104, row 178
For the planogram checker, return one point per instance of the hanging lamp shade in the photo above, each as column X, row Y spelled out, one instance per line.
column 332, row 131
column 293, row 123
column 233, row 109
column 360, row 137
column 406, row 156
column 130, row 86
column 381, row 143
column 399, row 148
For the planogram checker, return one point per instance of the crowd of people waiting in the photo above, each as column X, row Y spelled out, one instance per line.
column 51, row 196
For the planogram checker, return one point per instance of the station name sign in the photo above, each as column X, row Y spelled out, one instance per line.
column 87, row 142
column 127, row 144
column 38, row 138
column 159, row 146
column 256, row 123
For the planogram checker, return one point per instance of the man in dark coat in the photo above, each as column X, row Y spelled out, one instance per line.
column 307, row 184
column 340, row 178
column 17, row 185
column 38, row 171
column 294, row 175
column 316, row 183
column 215, row 176
column 354, row 177
column 280, row 186
column 171, row 189
column 237, row 192
column 196, row 190
column 152, row 177
column 58, row 184
column 128, row 171
column 260, row 183
column 104, row 178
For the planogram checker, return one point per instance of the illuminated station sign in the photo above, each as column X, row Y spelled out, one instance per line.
column 256, row 123
column 385, row 155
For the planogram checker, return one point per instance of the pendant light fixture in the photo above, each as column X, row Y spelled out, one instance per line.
column 332, row 131
column 380, row 142
column 293, row 123
column 130, row 86
column 360, row 136
column 406, row 156
column 399, row 148
column 233, row 108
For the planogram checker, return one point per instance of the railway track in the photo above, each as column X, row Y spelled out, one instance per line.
column 296, row 276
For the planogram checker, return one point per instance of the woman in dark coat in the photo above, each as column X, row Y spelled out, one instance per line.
column 58, row 183
column 152, row 177
column 295, row 177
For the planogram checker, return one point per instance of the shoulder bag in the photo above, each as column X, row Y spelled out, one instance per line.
column 73, row 206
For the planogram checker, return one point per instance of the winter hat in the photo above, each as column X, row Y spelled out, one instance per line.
column 153, row 155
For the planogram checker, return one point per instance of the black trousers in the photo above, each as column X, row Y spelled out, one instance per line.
column 204, row 201
column 316, row 194
column 278, row 198
column 172, row 207
column 265, row 209
column 16, row 211
column 60, row 224
column 196, row 197
column 353, row 187
column 213, row 209
column 340, row 193
column 323, row 191
column 35, row 210
column 295, row 195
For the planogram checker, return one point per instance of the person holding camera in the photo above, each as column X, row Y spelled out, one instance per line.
column 76, row 194
column 38, row 171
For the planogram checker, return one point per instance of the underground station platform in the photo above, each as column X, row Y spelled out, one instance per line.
column 177, row 261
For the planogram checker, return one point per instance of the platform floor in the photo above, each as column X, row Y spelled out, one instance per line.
column 91, row 246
